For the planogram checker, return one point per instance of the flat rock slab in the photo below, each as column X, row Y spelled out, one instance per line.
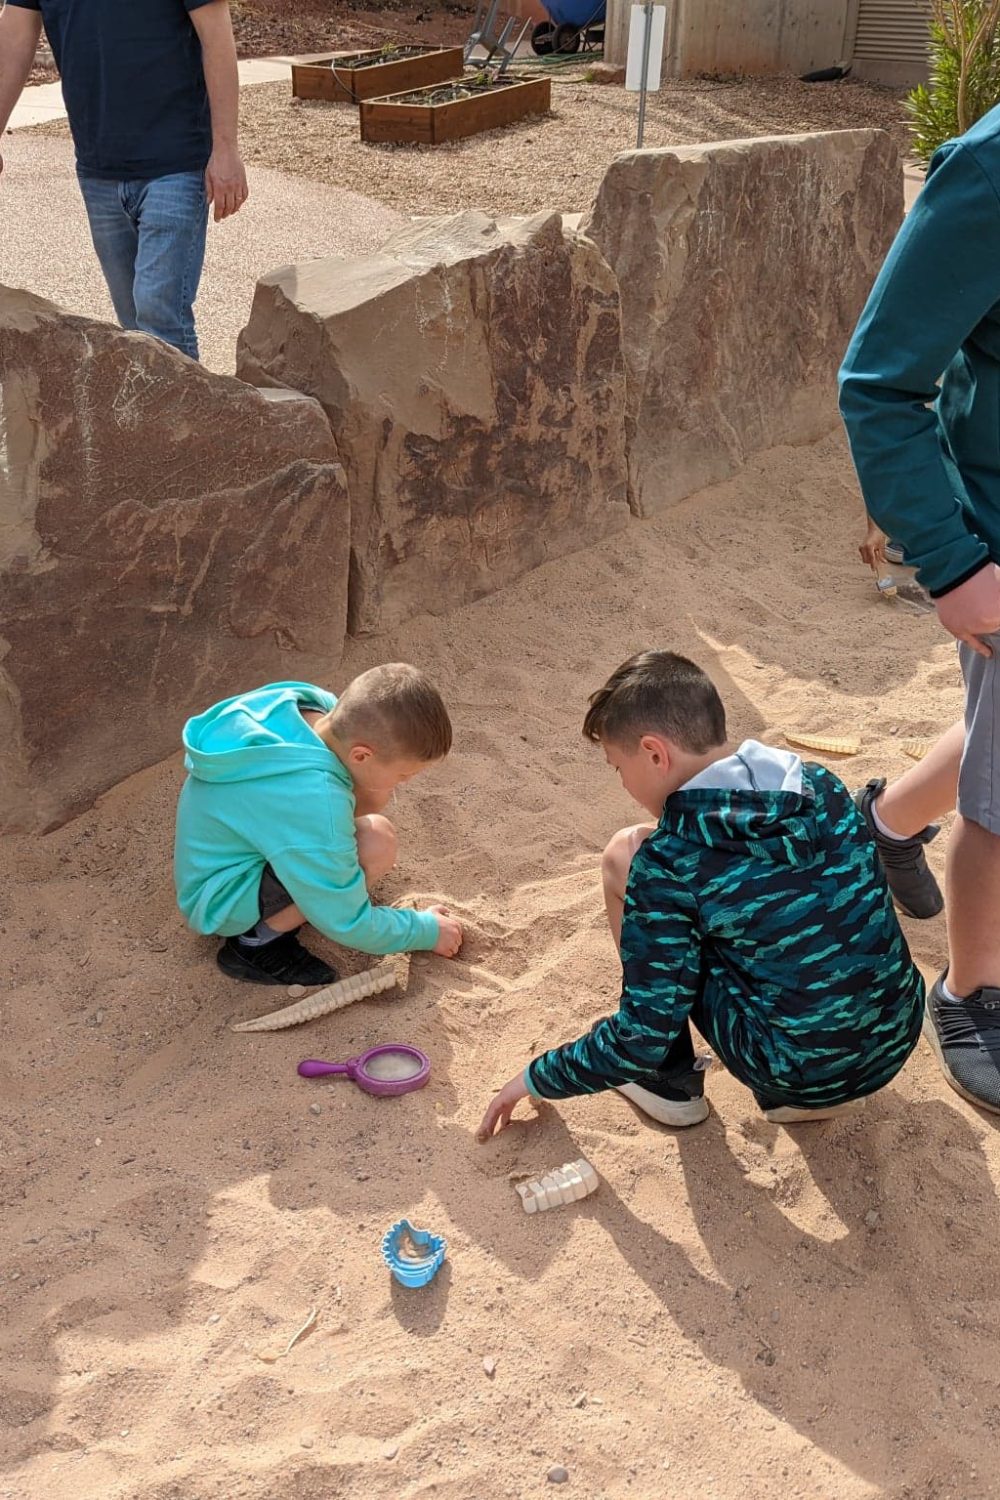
column 473, row 375
column 167, row 537
column 743, row 266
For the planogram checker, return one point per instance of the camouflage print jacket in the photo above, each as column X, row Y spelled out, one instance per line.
column 764, row 916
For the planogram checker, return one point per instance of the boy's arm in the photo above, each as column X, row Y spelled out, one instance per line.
column 20, row 28
column 225, row 177
column 939, row 280
column 661, row 961
column 328, row 886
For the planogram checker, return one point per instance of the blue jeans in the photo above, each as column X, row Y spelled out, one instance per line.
column 149, row 235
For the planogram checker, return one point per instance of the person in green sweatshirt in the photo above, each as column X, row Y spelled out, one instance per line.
column 755, row 907
column 920, row 398
column 280, row 821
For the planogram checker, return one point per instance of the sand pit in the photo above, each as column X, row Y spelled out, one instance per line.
column 735, row 1312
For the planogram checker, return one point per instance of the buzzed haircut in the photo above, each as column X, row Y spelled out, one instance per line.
column 657, row 692
column 395, row 710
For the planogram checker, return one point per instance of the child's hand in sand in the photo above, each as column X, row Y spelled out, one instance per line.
column 872, row 549
column 449, row 933
column 497, row 1117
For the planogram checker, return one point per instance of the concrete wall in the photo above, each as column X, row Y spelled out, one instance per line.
column 740, row 36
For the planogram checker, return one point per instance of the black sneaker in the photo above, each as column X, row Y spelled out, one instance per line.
column 676, row 1098
column 913, row 886
column 965, row 1036
column 282, row 961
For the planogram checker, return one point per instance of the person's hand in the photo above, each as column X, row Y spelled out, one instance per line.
column 226, row 182
column 497, row 1117
column 449, row 933
column 872, row 549
column 973, row 609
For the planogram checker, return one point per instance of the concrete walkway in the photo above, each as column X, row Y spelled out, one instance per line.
column 44, row 101
column 287, row 219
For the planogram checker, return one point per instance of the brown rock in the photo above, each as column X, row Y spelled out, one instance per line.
column 605, row 73
column 167, row 537
column 743, row 267
column 473, row 375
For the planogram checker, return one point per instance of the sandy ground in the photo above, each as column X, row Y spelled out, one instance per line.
column 738, row 1311
column 285, row 220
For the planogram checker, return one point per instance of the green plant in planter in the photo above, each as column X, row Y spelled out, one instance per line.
column 964, row 73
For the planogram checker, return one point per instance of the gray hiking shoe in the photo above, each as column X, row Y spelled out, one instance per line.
column 965, row 1037
column 913, row 886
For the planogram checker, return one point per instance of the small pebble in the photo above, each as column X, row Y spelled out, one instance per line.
column 214, row 1318
column 296, row 991
column 305, row 1442
column 98, row 1017
column 775, row 1316
column 389, row 1450
column 314, row 1109
column 98, row 1141
column 872, row 1219
column 363, row 1176
column 580, row 1401
column 557, row 1474
column 490, row 1366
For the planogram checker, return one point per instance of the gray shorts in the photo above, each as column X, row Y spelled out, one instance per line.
column 272, row 896
column 979, row 777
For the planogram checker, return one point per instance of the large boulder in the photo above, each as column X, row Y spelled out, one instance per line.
column 743, row 266
column 167, row 537
column 473, row 375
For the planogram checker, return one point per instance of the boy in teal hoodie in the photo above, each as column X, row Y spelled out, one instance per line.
column 755, row 907
column 280, row 821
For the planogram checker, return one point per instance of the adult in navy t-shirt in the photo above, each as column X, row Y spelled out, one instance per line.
column 151, row 93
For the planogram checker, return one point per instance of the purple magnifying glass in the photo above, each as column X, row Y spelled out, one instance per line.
column 383, row 1071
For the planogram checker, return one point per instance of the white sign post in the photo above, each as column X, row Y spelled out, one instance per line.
column 645, row 54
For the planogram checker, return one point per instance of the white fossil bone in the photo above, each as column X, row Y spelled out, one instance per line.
column 577, row 1179
column 325, row 1001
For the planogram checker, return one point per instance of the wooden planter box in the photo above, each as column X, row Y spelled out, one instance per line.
column 346, row 84
column 409, row 121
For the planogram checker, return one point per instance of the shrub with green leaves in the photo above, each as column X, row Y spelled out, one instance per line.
column 964, row 73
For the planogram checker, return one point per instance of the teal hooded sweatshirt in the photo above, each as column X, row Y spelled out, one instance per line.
column 263, row 788
column 929, row 461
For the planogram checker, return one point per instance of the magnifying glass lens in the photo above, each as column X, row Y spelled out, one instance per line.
column 393, row 1067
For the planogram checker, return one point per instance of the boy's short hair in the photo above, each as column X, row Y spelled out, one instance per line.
column 657, row 692
column 396, row 711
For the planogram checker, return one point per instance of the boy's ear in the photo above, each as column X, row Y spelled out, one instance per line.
column 359, row 754
column 658, row 749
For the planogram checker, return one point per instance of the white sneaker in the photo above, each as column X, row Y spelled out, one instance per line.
column 676, row 1112
column 787, row 1115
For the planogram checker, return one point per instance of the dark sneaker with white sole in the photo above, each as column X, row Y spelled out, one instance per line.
column 965, row 1037
column 913, row 886
column 676, row 1099
column 282, row 961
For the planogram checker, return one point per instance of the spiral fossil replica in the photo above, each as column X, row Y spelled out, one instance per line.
column 325, row 1001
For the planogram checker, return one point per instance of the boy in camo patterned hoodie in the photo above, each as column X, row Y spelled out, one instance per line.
column 755, row 907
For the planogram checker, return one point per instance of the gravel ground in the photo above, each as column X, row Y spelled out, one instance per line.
column 546, row 163
column 556, row 162
column 266, row 28
column 284, row 221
